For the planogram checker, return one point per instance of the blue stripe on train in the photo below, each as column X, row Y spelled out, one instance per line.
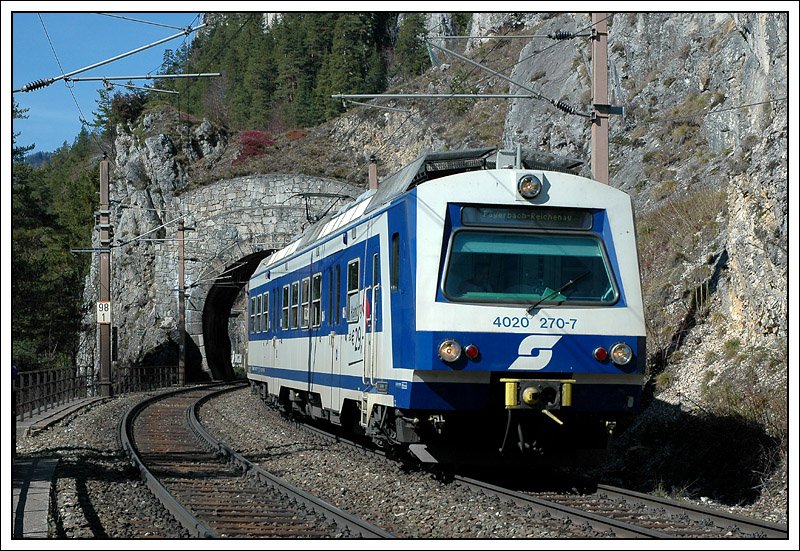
column 463, row 396
column 545, row 353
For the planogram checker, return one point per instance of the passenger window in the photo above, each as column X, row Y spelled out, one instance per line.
column 258, row 314
column 316, row 300
column 337, row 310
column 394, row 283
column 285, row 308
column 304, row 310
column 265, row 321
column 295, row 304
column 331, row 290
column 352, row 291
column 252, row 314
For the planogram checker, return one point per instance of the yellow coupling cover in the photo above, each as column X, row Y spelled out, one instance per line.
column 511, row 394
column 566, row 394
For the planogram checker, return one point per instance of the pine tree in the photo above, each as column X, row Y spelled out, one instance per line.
column 18, row 151
column 102, row 117
column 412, row 55
column 51, row 212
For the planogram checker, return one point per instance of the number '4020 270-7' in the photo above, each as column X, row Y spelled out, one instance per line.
column 512, row 322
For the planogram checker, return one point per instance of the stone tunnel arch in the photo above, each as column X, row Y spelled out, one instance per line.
column 216, row 313
column 230, row 226
column 244, row 233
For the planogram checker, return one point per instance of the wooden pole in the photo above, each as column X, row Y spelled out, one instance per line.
column 181, row 307
column 105, row 282
column 600, row 97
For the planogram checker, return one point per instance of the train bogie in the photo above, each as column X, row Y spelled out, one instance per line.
column 458, row 304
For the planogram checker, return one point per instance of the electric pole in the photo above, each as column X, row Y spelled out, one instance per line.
column 601, row 108
column 104, row 302
column 181, row 307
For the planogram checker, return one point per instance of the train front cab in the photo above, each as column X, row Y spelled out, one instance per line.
column 553, row 329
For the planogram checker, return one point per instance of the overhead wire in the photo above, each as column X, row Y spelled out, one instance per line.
column 82, row 118
column 389, row 140
column 703, row 114
column 66, row 78
column 560, row 105
column 559, row 37
column 141, row 21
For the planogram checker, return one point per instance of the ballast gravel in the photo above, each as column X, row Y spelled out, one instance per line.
column 99, row 494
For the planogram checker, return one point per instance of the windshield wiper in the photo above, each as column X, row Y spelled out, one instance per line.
column 531, row 308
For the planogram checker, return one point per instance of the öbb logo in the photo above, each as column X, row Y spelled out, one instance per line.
column 535, row 352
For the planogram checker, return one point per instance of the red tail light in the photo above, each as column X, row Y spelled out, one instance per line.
column 472, row 352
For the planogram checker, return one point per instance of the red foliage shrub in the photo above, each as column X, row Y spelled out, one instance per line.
column 254, row 144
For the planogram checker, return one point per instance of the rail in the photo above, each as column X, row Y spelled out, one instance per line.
column 38, row 391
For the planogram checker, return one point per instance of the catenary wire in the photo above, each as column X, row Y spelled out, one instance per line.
column 71, row 93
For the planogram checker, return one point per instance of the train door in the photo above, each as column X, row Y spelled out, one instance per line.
column 335, row 316
column 354, row 349
column 371, row 296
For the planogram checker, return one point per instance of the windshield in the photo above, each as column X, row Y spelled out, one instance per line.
column 526, row 268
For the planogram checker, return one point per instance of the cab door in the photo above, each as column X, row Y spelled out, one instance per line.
column 370, row 310
column 354, row 347
column 335, row 340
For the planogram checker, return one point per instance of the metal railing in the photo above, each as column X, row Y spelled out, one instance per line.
column 45, row 389
column 38, row 391
column 141, row 378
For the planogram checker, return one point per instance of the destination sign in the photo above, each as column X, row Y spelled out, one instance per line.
column 537, row 218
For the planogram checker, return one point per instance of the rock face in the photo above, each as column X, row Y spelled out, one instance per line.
column 229, row 222
column 705, row 99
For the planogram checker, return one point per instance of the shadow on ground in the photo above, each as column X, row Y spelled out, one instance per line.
column 692, row 454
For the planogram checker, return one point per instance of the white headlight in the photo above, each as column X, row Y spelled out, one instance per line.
column 621, row 354
column 449, row 350
column 529, row 186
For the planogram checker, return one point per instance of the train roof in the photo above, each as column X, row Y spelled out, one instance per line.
column 426, row 167
column 430, row 166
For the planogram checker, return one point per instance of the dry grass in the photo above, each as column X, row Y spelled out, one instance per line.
column 668, row 236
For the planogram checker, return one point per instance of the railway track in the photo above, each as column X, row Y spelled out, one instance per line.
column 621, row 513
column 212, row 490
column 215, row 492
column 608, row 511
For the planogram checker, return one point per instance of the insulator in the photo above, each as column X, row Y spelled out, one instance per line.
column 566, row 107
column 36, row 84
column 561, row 35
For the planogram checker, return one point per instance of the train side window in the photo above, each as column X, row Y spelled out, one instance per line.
column 275, row 311
column 304, row 301
column 295, row 305
column 265, row 320
column 252, row 314
column 285, row 308
column 394, row 277
column 352, row 290
column 337, row 306
column 331, row 290
column 258, row 314
column 316, row 300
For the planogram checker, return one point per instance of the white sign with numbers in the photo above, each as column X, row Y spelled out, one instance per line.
column 104, row 311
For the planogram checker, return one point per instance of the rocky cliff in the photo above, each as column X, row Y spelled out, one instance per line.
column 701, row 147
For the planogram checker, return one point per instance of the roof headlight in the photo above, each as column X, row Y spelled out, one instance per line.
column 449, row 350
column 529, row 186
column 621, row 354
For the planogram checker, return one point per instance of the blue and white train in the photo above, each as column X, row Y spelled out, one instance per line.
column 471, row 304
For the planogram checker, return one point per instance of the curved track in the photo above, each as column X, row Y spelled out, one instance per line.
column 611, row 512
column 202, row 483
column 616, row 512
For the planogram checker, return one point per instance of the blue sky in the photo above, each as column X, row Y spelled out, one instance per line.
column 80, row 40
